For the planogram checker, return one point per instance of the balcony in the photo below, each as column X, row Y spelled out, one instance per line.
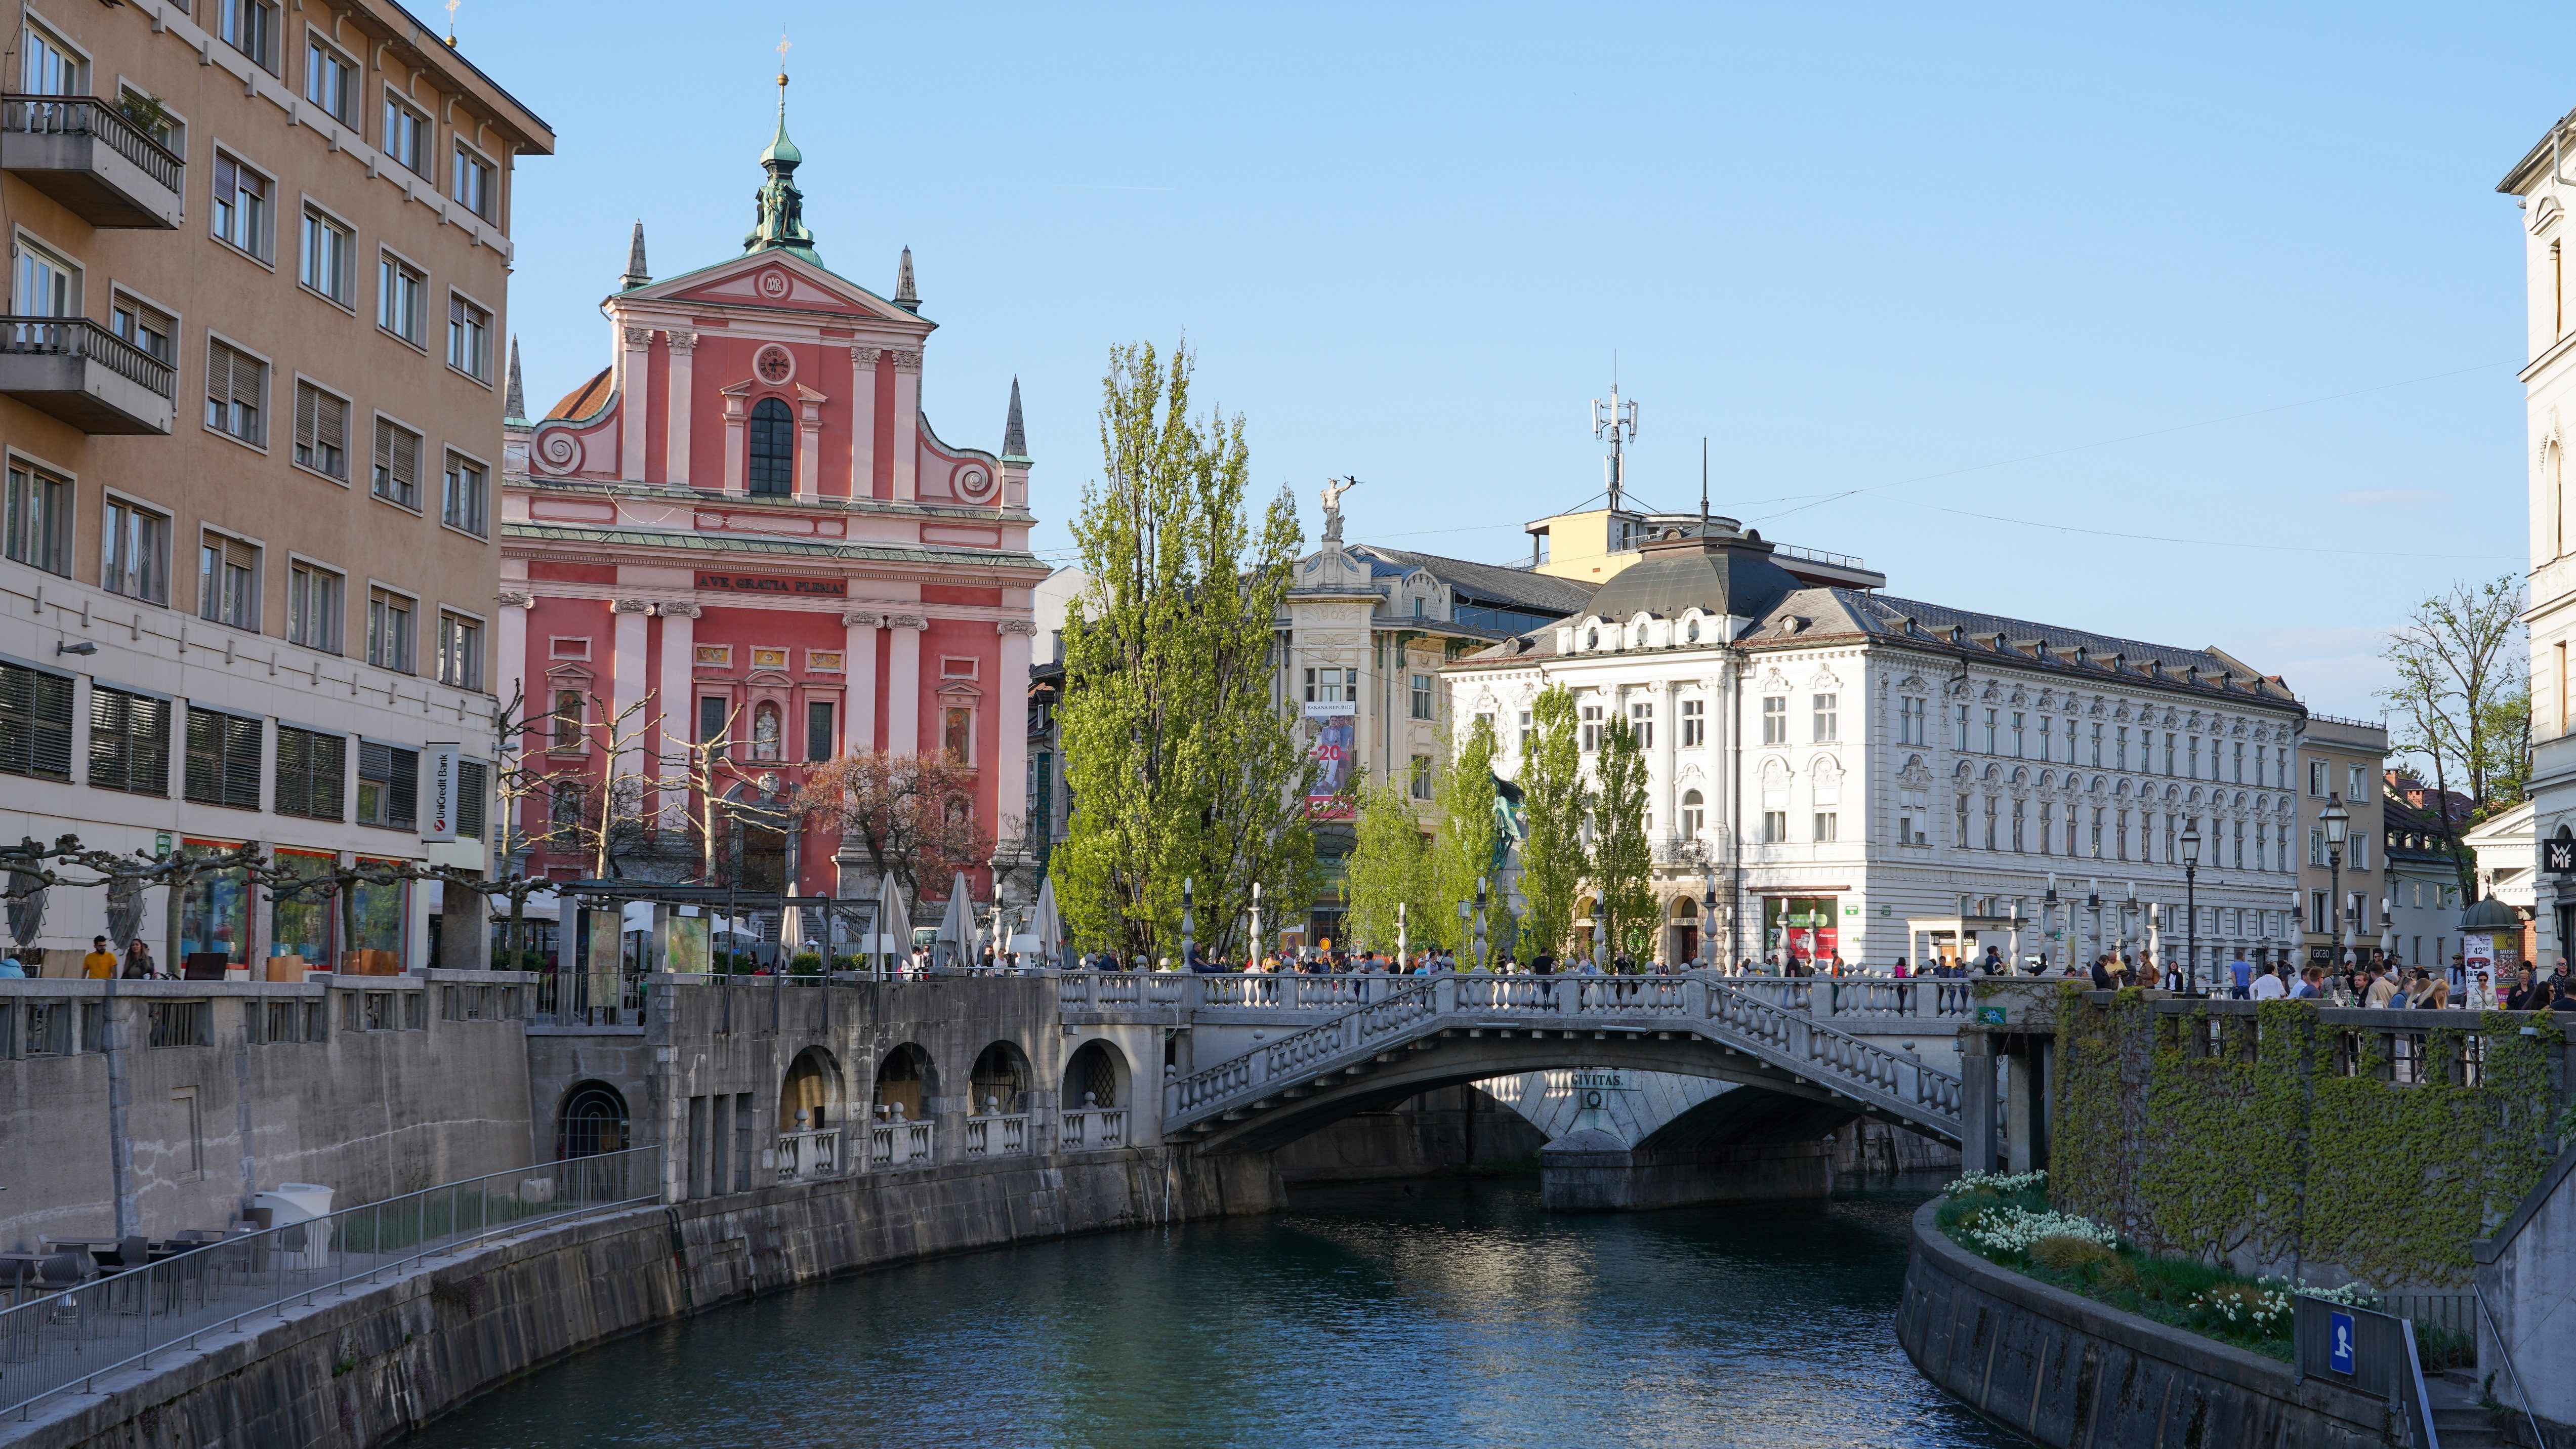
column 82, row 152
column 86, row 375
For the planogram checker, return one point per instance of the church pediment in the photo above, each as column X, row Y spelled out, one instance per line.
column 779, row 279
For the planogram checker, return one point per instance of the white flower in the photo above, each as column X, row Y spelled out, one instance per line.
column 2011, row 1229
column 1996, row 1182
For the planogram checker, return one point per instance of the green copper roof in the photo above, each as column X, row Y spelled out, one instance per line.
column 779, row 220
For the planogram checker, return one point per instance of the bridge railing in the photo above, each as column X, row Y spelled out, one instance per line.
column 1856, row 999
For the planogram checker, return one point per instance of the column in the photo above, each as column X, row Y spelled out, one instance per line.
column 635, row 368
column 737, row 417
column 626, row 689
column 903, row 683
column 1011, row 696
column 679, row 709
column 859, row 680
column 1976, row 1102
column 809, row 444
column 907, row 424
column 863, row 422
column 684, row 354
column 510, row 639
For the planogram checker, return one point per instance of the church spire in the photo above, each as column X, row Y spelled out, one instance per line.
column 780, row 207
column 636, row 273
column 514, row 404
column 905, row 295
column 1015, row 434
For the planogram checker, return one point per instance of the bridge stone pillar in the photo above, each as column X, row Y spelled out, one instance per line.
column 1977, row 1146
column 2024, row 1108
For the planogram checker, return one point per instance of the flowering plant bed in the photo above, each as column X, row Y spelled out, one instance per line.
column 2008, row 1220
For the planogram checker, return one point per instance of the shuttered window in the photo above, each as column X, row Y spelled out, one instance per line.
column 397, row 464
column 312, row 770
column 223, row 759
column 388, row 786
column 35, row 723
column 473, row 779
column 129, row 741
column 236, row 393
column 321, row 431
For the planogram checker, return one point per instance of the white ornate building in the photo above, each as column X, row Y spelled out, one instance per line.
column 1869, row 776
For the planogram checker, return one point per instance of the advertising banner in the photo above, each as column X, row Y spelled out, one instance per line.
column 438, row 791
column 1803, row 929
column 1335, row 736
column 605, row 967
column 685, row 944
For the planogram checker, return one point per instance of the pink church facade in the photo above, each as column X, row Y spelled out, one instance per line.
column 744, row 523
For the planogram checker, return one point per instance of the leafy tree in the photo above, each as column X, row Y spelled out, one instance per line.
column 1554, row 802
column 1389, row 865
column 1622, row 860
column 2462, row 702
column 1462, row 852
column 1183, row 768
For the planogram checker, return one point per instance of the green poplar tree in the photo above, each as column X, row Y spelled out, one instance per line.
column 1388, row 866
column 1554, row 801
column 1182, row 767
column 1462, row 852
column 1622, row 861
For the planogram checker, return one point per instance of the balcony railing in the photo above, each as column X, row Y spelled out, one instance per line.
column 142, row 186
column 80, row 337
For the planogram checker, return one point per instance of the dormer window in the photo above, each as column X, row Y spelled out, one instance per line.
column 1591, row 639
column 1958, row 634
column 1690, row 632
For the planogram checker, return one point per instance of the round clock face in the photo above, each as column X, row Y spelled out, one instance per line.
column 775, row 364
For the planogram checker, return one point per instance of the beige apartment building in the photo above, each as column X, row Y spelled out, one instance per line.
column 2342, row 762
column 251, row 397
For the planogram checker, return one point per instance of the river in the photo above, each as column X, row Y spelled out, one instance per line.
column 1433, row 1312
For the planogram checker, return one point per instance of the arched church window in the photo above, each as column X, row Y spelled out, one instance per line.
column 773, row 449
column 764, row 732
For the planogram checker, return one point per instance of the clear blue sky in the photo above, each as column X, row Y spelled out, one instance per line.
column 2205, row 275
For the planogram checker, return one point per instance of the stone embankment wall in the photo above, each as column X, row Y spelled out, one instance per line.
column 2527, row 1272
column 2071, row 1372
column 355, row 1372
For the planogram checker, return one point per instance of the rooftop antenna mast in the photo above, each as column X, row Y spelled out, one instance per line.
column 1703, row 486
column 1616, row 421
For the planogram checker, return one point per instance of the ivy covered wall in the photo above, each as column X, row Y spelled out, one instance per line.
column 2271, row 1138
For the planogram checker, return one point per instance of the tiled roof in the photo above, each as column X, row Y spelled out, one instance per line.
column 584, row 400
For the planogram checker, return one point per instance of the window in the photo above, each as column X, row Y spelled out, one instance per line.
column 38, row 520
column 469, row 340
column 1775, row 827
column 312, row 774
column 321, row 431
column 1591, row 724
column 1775, row 720
column 327, row 250
column 1529, row 734
column 2097, row 832
column 2047, row 827
column 772, row 470
column 2316, row 847
column 1991, row 832
column 228, row 581
column 223, row 759
column 2358, row 841
column 1828, row 827
column 330, row 81
column 148, row 116
column 2047, row 745
column 2316, row 777
column 388, row 785
column 460, row 651
column 957, row 732
column 1959, row 727
column 236, row 394
column 249, row 26
column 818, row 729
column 1694, row 723
column 53, row 68
column 1991, row 731
column 2169, row 752
column 1641, row 724
column 35, row 723
column 2123, row 749
column 2120, row 836
column 146, row 326
column 2317, row 912
column 714, row 718
column 241, row 207
column 1422, row 696
column 2018, row 720
column 1421, row 779
column 473, row 786
column 406, row 137
column 1827, row 725
column 1331, row 686
column 2353, row 775
column 400, row 287
column 129, row 741
column 1694, row 812
column 42, row 283
column 2097, row 746
column 2191, row 755
column 477, row 184
column 397, row 476
column 2020, row 810
column 466, row 496
column 2240, row 765
column 316, row 600
column 389, row 641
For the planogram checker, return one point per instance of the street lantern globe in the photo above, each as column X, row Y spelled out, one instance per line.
column 2337, row 820
column 2191, row 843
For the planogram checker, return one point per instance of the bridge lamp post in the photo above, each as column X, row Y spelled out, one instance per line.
column 1188, row 926
column 2190, row 898
column 2048, row 915
column 2336, row 820
column 1480, row 921
column 1708, row 920
column 1256, row 945
column 2093, row 903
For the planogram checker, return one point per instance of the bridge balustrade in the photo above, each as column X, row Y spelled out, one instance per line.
column 806, row 1156
column 900, row 1144
column 1092, row 1129
column 999, row 1136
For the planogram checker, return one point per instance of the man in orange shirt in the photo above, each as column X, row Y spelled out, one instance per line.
column 100, row 963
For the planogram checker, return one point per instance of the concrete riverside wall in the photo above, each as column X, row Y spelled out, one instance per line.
column 2527, row 1273
column 369, row 1113
column 2071, row 1372
column 1449, row 1130
column 362, row 1370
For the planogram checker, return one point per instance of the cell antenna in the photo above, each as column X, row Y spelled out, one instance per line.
column 1617, row 421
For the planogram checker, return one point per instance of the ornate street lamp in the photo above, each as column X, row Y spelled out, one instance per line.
column 2190, row 896
column 1708, row 919
column 2337, row 820
column 1480, row 921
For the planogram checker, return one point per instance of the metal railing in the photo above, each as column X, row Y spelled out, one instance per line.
column 27, row 115
column 2369, row 1352
column 80, row 337
column 61, row 1340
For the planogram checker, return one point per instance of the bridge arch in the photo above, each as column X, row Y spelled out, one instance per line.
column 813, row 1086
column 590, row 1120
column 1097, row 1075
column 906, row 1080
column 999, row 1081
